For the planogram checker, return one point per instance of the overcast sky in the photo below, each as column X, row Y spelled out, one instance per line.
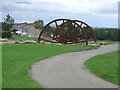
column 97, row 13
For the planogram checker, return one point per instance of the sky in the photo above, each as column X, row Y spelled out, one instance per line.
column 96, row 13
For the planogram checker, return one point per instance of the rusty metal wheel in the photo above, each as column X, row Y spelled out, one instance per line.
column 67, row 31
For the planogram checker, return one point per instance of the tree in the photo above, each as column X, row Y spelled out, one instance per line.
column 9, row 20
column 7, row 26
column 8, row 23
column 39, row 24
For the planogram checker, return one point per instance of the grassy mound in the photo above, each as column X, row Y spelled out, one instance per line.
column 105, row 66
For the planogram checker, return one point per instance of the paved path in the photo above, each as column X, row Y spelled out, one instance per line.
column 68, row 71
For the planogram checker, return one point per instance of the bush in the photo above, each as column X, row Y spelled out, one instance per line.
column 14, row 30
column 6, row 27
column 6, row 34
column 0, row 33
column 107, row 34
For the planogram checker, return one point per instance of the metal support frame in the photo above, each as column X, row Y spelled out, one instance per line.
column 67, row 31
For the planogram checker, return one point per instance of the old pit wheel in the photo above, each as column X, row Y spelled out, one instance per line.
column 67, row 31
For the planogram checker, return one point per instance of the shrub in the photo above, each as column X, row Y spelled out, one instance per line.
column 7, row 26
column 0, row 33
column 6, row 34
column 107, row 34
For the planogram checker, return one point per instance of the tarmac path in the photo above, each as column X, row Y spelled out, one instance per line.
column 68, row 71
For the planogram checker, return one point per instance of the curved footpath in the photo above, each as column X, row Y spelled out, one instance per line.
column 68, row 71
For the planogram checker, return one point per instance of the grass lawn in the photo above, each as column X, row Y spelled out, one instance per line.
column 23, row 38
column 27, row 38
column 18, row 58
column 0, row 66
column 108, row 42
column 105, row 66
column 35, row 38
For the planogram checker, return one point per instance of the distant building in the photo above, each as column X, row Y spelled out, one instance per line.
column 26, row 29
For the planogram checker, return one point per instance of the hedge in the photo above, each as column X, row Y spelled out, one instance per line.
column 6, row 34
column 107, row 34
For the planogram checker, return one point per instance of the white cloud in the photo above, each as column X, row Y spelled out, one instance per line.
column 80, row 6
column 66, row 6
column 31, row 10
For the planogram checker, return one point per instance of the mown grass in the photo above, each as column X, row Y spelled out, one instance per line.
column 23, row 38
column 105, row 66
column 0, row 66
column 27, row 38
column 35, row 38
column 108, row 42
column 18, row 58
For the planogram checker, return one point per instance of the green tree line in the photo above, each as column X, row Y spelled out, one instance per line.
column 107, row 34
